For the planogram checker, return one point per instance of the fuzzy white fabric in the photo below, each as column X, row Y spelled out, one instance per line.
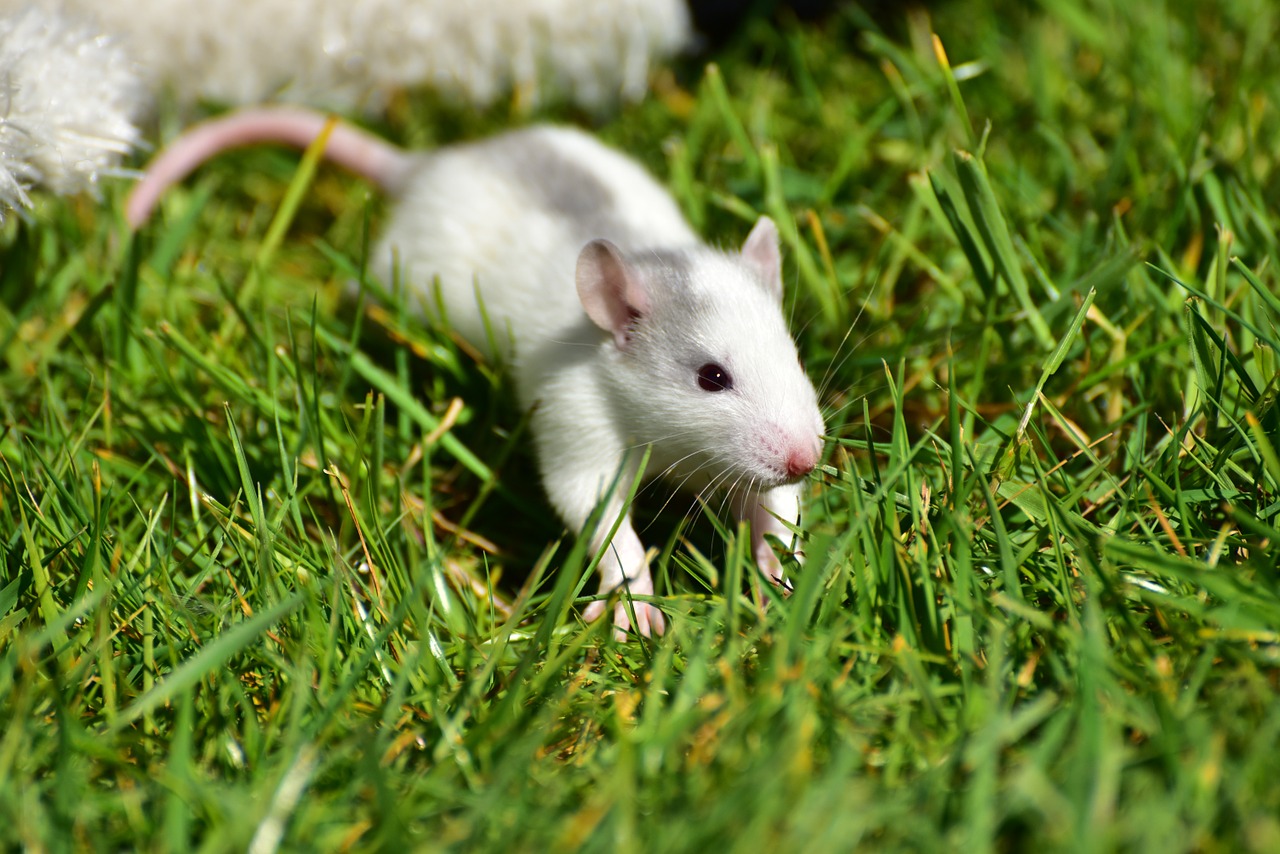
column 345, row 54
column 68, row 99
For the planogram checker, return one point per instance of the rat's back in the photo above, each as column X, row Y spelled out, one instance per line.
column 503, row 220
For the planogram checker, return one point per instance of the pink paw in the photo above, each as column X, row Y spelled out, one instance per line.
column 772, row 569
column 649, row 620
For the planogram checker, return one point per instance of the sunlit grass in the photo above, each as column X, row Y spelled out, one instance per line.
column 277, row 571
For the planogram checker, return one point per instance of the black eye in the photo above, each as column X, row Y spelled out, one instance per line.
column 712, row 377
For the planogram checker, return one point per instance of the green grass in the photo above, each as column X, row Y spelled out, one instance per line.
column 251, row 594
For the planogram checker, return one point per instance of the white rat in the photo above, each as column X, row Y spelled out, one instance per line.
column 663, row 344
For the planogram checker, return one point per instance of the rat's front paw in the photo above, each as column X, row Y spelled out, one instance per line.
column 772, row 569
column 649, row 620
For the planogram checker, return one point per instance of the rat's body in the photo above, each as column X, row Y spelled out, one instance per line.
column 663, row 342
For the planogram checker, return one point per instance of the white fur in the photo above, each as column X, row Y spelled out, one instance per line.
column 340, row 54
column 515, row 223
column 68, row 102
column 459, row 218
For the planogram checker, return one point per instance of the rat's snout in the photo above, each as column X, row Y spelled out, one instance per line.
column 788, row 453
column 802, row 458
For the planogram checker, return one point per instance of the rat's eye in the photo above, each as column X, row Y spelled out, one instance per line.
column 712, row 377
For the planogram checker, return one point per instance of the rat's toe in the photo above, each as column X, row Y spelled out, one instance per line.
column 594, row 611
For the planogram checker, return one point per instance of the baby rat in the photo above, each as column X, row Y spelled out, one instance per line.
column 570, row 261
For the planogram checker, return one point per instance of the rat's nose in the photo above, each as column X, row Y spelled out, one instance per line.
column 801, row 460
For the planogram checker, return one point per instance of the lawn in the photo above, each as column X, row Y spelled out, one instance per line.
column 277, row 572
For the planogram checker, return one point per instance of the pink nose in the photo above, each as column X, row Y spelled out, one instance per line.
column 800, row 461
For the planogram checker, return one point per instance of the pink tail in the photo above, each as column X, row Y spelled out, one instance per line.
column 364, row 154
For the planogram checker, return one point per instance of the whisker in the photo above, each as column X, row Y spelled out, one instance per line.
column 835, row 366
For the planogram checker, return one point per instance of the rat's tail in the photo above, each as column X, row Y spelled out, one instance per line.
column 363, row 153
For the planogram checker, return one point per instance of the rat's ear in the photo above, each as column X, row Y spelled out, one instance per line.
column 610, row 290
column 761, row 251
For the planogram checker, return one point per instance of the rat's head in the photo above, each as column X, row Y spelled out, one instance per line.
column 701, row 364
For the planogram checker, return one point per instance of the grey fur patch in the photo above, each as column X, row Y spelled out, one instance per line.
column 558, row 184
column 673, row 268
column 675, row 264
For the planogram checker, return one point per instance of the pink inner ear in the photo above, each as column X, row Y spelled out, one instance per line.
column 761, row 251
column 611, row 293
